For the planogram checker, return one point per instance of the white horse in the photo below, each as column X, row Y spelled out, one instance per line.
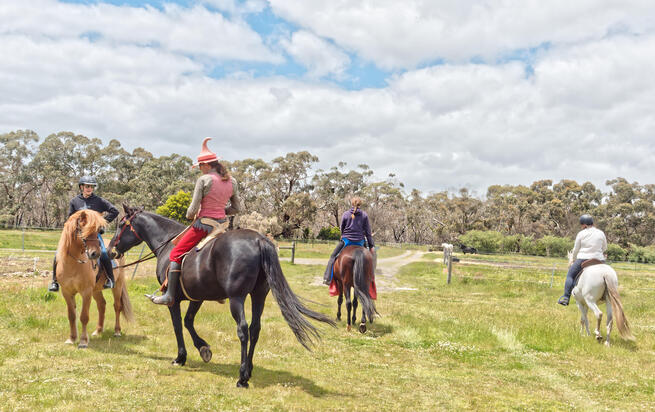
column 599, row 283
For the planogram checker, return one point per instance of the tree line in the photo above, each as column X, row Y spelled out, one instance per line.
column 296, row 200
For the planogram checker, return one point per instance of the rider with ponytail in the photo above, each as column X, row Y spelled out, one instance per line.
column 213, row 190
column 355, row 230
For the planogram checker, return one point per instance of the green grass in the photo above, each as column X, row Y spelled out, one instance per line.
column 323, row 250
column 493, row 339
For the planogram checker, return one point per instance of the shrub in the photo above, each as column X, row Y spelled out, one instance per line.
column 176, row 206
column 641, row 254
column 527, row 245
column 616, row 252
column 554, row 246
column 510, row 244
column 484, row 241
column 329, row 233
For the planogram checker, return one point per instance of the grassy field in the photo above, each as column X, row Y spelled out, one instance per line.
column 493, row 339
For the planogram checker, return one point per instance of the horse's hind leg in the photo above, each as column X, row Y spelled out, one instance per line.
column 339, row 302
column 72, row 317
column 584, row 321
column 176, row 318
column 239, row 315
column 354, row 308
column 599, row 318
column 258, row 298
column 101, row 303
column 198, row 342
column 117, row 292
column 349, row 305
column 609, row 320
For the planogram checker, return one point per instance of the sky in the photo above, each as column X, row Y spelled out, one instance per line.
column 443, row 94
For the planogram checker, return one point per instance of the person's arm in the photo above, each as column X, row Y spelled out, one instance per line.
column 71, row 208
column 235, row 201
column 367, row 232
column 343, row 223
column 111, row 211
column 576, row 246
column 604, row 245
column 203, row 184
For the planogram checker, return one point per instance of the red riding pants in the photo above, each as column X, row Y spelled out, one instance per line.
column 188, row 241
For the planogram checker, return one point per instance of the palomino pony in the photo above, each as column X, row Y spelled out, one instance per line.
column 595, row 284
column 236, row 264
column 77, row 252
column 353, row 268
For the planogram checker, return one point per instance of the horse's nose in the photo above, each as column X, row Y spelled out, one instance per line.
column 113, row 254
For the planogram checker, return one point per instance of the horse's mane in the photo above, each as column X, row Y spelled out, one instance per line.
column 90, row 222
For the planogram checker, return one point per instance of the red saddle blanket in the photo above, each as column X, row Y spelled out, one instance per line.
column 372, row 289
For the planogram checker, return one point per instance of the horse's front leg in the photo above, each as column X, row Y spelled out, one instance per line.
column 176, row 318
column 72, row 317
column 84, row 319
column 349, row 305
column 239, row 315
column 198, row 342
column 101, row 303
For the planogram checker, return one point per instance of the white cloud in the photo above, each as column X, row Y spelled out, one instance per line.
column 195, row 31
column 403, row 34
column 319, row 56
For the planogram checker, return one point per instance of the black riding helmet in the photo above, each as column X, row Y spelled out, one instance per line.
column 586, row 220
column 87, row 180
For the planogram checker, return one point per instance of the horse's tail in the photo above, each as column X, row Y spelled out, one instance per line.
column 612, row 285
column 292, row 309
column 126, row 305
column 361, row 283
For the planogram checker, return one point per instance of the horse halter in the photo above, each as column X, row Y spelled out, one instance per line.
column 78, row 234
column 126, row 222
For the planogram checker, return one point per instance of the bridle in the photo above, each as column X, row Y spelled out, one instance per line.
column 126, row 222
column 85, row 240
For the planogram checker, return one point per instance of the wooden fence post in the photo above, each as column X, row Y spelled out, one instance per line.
column 450, row 265
column 293, row 252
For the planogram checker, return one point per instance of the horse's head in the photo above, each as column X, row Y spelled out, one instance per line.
column 126, row 236
column 570, row 256
column 83, row 226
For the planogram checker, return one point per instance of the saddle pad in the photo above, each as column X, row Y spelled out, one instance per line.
column 591, row 262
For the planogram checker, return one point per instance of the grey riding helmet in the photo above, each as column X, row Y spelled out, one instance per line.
column 586, row 220
column 88, row 180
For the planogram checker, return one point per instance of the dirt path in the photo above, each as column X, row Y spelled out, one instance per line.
column 385, row 273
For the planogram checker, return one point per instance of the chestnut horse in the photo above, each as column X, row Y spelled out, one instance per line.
column 77, row 272
column 237, row 264
column 353, row 268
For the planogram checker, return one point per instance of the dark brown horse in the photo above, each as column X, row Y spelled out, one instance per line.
column 353, row 268
column 238, row 263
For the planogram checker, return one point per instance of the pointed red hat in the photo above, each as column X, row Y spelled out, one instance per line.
column 206, row 155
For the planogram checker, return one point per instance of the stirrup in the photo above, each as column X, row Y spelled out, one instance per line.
column 564, row 300
column 54, row 287
column 152, row 295
column 109, row 284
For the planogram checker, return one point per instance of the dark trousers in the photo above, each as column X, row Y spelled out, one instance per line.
column 328, row 270
column 574, row 270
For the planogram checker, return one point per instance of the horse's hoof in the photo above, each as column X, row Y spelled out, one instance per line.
column 82, row 346
column 69, row 341
column 118, row 334
column 338, row 317
column 362, row 328
column 607, row 344
column 599, row 338
column 242, row 384
column 96, row 333
column 205, row 353
column 178, row 362
column 348, row 328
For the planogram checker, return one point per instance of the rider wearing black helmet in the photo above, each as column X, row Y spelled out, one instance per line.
column 590, row 243
column 88, row 200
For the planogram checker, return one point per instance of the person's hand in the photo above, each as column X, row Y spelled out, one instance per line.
column 372, row 249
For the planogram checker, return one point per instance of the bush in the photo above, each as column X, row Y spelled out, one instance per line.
column 554, row 246
column 176, row 206
column 527, row 245
column 616, row 252
column 510, row 244
column 329, row 233
column 641, row 254
column 484, row 241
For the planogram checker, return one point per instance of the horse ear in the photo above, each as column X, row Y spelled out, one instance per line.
column 82, row 218
column 126, row 209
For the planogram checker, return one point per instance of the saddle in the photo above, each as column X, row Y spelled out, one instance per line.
column 218, row 227
column 591, row 262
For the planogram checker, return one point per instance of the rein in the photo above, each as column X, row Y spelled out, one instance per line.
column 151, row 255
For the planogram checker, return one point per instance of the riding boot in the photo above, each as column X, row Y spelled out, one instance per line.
column 173, row 280
column 571, row 276
column 327, row 276
column 109, row 270
column 54, row 286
